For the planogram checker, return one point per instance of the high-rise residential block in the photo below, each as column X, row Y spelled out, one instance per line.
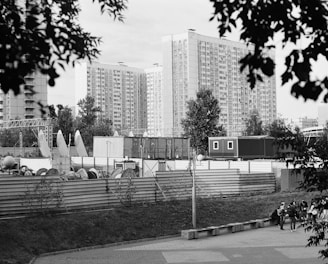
column 322, row 114
column 155, row 106
column 119, row 91
column 305, row 122
column 192, row 62
column 25, row 105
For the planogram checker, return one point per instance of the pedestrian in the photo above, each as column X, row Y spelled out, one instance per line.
column 292, row 214
column 303, row 210
column 281, row 213
column 313, row 212
column 275, row 217
column 324, row 214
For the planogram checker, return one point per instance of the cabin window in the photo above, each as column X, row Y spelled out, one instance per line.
column 230, row 144
column 215, row 145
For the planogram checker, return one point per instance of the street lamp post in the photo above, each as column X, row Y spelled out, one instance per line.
column 193, row 196
column 107, row 142
column 195, row 157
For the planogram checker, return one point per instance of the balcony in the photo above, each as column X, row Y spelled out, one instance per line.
column 29, row 100
column 30, row 76
column 29, row 116
column 29, row 108
column 28, row 88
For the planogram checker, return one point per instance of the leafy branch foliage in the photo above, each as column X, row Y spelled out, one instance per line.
column 287, row 140
column 89, row 122
column 124, row 188
column 10, row 137
column 44, row 196
column 41, row 35
column 261, row 21
column 202, row 120
column 315, row 178
column 254, row 124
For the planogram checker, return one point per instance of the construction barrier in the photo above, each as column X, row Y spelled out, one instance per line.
column 21, row 195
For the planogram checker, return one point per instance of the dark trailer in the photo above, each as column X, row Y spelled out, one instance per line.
column 243, row 147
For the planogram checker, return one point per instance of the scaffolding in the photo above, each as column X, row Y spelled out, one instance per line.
column 40, row 123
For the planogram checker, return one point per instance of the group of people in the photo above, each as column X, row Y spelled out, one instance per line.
column 317, row 210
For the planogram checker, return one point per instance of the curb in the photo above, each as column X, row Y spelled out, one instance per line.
column 227, row 229
column 32, row 261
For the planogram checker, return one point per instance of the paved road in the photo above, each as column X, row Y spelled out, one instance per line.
column 260, row 246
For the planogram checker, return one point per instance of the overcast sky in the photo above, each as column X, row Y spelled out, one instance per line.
column 137, row 43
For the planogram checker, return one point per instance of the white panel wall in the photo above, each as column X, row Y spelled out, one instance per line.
column 261, row 166
column 181, row 164
column 214, row 165
column 243, row 166
column 111, row 147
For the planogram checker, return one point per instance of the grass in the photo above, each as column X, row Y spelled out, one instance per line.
column 22, row 239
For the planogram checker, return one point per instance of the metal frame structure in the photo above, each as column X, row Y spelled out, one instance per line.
column 47, row 124
column 312, row 132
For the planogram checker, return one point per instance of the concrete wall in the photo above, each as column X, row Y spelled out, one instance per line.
column 290, row 179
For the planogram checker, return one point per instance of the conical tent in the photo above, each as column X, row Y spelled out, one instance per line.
column 80, row 148
column 43, row 145
column 61, row 144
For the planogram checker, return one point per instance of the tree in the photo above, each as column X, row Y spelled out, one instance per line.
column 288, row 140
column 261, row 21
column 283, row 136
column 321, row 146
column 39, row 35
column 202, row 120
column 315, row 170
column 88, row 111
column 315, row 177
column 52, row 111
column 8, row 138
column 278, row 129
column 104, row 127
column 65, row 121
column 300, row 145
column 254, row 125
column 30, row 138
column 86, row 120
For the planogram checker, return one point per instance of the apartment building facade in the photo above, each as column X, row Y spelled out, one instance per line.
column 155, row 107
column 192, row 62
column 119, row 91
column 25, row 105
column 305, row 122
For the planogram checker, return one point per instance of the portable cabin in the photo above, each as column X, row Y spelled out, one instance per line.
column 141, row 147
column 244, row 147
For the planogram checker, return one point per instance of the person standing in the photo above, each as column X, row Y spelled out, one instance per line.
column 313, row 212
column 303, row 210
column 324, row 214
column 292, row 213
column 281, row 213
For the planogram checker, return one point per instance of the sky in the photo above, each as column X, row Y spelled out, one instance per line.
column 137, row 43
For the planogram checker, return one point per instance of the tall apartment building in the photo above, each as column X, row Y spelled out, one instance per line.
column 322, row 114
column 25, row 105
column 119, row 91
column 155, row 106
column 305, row 122
column 192, row 62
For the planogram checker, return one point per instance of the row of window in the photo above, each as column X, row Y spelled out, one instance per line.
column 216, row 145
